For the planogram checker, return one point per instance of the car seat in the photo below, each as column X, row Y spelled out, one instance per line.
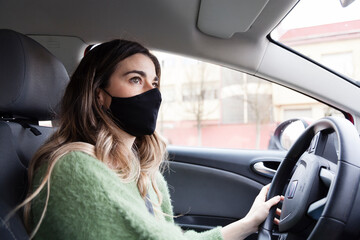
column 32, row 82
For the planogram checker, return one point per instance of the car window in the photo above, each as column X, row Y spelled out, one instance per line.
column 212, row 106
column 326, row 32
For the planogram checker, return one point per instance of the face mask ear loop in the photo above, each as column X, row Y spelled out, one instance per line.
column 106, row 92
column 108, row 111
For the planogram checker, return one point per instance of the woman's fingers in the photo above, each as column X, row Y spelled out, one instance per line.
column 272, row 201
column 278, row 213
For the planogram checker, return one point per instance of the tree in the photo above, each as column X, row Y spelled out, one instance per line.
column 260, row 104
column 196, row 92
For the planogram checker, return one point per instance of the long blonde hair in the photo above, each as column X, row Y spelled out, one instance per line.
column 85, row 126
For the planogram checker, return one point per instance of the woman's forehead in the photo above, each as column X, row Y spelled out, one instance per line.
column 138, row 62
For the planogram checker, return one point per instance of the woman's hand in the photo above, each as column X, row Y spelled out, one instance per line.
column 257, row 214
column 260, row 208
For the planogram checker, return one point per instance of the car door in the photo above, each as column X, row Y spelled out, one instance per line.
column 214, row 187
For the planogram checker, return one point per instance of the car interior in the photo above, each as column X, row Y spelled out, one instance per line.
column 41, row 42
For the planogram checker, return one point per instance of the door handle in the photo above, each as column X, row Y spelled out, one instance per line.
column 261, row 169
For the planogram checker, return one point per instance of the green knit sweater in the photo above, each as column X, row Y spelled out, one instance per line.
column 88, row 201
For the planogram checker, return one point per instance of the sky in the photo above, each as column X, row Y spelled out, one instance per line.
column 318, row 12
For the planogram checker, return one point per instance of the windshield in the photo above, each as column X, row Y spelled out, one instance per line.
column 326, row 32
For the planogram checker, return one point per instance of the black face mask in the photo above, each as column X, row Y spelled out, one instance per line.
column 136, row 115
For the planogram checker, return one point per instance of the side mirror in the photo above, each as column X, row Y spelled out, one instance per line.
column 286, row 133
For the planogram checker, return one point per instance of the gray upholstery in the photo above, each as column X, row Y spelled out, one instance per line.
column 31, row 78
column 32, row 82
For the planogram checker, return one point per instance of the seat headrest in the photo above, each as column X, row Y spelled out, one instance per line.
column 32, row 80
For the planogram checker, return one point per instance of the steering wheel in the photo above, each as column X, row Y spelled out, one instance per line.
column 321, row 196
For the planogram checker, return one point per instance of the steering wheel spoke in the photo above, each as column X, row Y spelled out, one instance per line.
column 326, row 176
column 315, row 209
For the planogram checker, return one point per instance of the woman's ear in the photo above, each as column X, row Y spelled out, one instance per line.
column 103, row 98
column 100, row 96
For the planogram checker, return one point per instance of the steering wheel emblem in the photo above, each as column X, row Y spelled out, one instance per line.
column 292, row 189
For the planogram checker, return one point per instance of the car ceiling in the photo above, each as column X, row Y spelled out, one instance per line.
column 170, row 25
column 174, row 26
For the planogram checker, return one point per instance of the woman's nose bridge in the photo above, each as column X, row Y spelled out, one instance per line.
column 148, row 84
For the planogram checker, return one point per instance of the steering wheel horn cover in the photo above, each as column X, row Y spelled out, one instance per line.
column 302, row 191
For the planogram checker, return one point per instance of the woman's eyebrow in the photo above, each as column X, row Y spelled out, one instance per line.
column 141, row 73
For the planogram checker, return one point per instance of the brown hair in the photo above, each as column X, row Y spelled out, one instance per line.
column 85, row 126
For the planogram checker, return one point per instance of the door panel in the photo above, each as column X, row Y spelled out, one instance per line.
column 217, row 187
column 214, row 187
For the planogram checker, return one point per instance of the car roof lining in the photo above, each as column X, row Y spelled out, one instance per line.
column 116, row 19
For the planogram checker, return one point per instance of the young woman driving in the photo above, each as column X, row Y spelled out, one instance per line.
column 98, row 176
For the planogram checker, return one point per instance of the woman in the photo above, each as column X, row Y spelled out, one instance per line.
column 105, row 157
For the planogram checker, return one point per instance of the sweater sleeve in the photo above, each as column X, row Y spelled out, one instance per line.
column 88, row 201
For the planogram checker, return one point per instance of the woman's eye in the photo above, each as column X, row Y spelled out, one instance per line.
column 135, row 80
column 155, row 84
